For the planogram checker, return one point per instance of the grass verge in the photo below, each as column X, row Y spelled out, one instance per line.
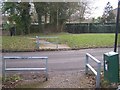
column 75, row 41
column 17, row 43
column 87, row 40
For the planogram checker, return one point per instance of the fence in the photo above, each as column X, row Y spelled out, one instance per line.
column 97, row 73
column 4, row 68
column 90, row 27
column 38, row 41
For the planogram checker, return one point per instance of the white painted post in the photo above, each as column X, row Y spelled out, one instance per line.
column 56, row 43
column 98, row 72
column 86, row 62
column 98, row 75
column 46, row 69
column 3, row 69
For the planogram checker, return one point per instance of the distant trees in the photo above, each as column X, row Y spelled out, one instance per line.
column 108, row 15
column 80, row 11
column 18, row 13
column 54, row 13
column 60, row 12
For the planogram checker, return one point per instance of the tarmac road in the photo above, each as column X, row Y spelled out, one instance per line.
column 58, row 61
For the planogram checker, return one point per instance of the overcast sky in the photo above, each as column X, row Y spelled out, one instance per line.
column 100, row 4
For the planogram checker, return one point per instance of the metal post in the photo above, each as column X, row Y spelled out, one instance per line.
column 86, row 62
column 46, row 69
column 3, row 69
column 56, row 43
column 117, row 27
column 98, row 75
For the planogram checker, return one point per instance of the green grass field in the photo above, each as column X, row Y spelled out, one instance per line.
column 17, row 43
column 88, row 40
column 75, row 41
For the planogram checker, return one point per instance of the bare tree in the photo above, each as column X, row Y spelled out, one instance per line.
column 82, row 10
column 108, row 14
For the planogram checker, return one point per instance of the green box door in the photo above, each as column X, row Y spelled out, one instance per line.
column 111, row 67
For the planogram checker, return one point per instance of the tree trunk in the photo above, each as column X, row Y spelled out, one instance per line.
column 40, row 23
column 50, row 18
column 45, row 18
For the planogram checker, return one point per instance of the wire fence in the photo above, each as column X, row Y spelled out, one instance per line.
column 90, row 28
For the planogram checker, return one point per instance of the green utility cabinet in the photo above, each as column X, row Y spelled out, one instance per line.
column 111, row 67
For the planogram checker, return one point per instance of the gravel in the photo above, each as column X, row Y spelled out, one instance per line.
column 68, row 79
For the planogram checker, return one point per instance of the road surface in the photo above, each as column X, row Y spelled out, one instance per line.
column 58, row 61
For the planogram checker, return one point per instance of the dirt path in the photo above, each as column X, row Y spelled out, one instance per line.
column 69, row 80
column 49, row 45
column 76, row 79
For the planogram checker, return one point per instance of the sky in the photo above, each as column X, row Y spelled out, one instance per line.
column 100, row 4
